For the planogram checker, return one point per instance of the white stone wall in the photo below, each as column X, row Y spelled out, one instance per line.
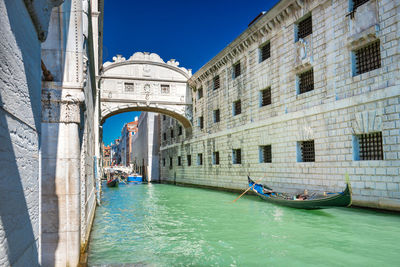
column 20, row 111
column 145, row 145
column 340, row 105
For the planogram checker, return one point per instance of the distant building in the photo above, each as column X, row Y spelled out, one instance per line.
column 115, row 154
column 146, row 146
column 127, row 132
column 106, row 156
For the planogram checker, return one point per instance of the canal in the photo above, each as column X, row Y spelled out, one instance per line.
column 166, row 225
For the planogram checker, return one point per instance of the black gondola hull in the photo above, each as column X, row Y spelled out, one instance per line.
column 113, row 183
column 342, row 199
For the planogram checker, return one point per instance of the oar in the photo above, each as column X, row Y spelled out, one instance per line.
column 245, row 191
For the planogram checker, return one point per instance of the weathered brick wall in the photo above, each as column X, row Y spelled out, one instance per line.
column 20, row 111
column 341, row 105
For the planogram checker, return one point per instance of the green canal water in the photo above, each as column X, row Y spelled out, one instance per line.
column 166, row 225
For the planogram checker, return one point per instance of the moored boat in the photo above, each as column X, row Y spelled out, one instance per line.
column 113, row 182
column 134, row 179
column 313, row 201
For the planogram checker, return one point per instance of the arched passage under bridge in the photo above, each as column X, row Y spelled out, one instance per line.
column 145, row 82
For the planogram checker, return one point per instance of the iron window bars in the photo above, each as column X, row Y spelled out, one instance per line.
column 266, row 97
column 368, row 58
column 237, row 156
column 306, row 81
column 236, row 70
column 266, row 154
column 265, row 51
column 237, row 107
column 304, row 28
column 370, row 146
column 216, row 82
column 307, row 151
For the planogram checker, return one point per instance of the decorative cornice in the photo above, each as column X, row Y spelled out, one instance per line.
column 260, row 28
column 146, row 58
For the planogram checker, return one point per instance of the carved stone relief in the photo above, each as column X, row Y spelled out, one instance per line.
column 366, row 122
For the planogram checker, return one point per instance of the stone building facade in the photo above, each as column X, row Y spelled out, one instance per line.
column 146, row 146
column 49, row 118
column 309, row 92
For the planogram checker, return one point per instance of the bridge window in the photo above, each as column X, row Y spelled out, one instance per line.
column 216, row 115
column 237, row 107
column 164, row 89
column 200, row 93
column 215, row 158
column 236, row 70
column 216, row 82
column 189, row 160
column 164, row 117
column 129, row 87
column 180, row 130
column 200, row 159
column 237, row 156
column 179, row 161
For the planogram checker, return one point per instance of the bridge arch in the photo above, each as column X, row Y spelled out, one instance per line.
column 145, row 82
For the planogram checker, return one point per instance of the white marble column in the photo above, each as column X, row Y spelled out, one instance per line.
column 61, row 176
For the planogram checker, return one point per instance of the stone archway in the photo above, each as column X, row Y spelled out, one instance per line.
column 145, row 82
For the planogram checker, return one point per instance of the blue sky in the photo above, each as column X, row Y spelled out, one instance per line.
column 192, row 32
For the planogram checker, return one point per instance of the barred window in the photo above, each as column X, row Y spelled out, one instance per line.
column 216, row 115
column 200, row 93
column 179, row 161
column 307, row 151
column 129, row 87
column 216, row 83
column 304, row 28
column 164, row 117
column 189, row 160
column 216, row 158
column 265, row 51
column 265, row 97
column 172, row 133
column 180, row 130
column 357, row 3
column 237, row 107
column 170, row 162
column 164, row 89
column 201, row 122
column 200, row 159
column 368, row 58
column 163, row 162
column 236, row 70
column 265, row 154
column 370, row 146
column 164, row 136
column 306, row 81
column 237, row 156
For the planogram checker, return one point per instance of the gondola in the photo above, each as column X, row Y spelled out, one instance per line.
column 313, row 201
column 113, row 182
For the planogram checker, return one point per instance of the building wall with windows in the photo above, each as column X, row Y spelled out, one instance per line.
column 309, row 92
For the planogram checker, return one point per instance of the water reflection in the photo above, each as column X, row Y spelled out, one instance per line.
column 178, row 226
